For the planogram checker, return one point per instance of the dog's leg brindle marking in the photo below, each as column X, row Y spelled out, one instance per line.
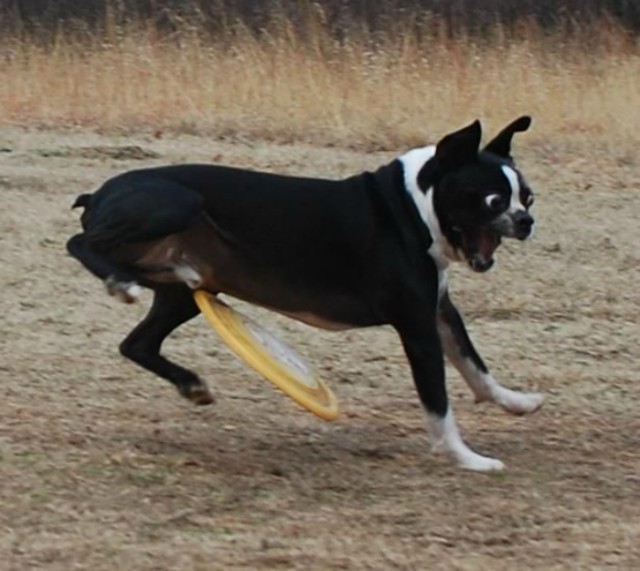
column 172, row 306
column 460, row 350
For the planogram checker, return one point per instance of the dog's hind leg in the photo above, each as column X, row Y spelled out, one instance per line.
column 121, row 217
column 460, row 350
column 172, row 306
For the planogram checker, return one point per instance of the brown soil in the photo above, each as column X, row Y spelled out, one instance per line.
column 103, row 466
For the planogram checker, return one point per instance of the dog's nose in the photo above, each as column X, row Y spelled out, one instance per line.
column 523, row 222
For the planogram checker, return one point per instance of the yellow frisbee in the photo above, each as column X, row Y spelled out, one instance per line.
column 269, row 356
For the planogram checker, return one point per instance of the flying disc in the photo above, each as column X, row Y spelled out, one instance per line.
column 269, row 356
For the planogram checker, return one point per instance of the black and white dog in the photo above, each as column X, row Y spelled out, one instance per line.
column 369, row 250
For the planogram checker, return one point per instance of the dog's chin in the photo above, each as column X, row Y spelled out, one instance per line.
column 478, row 247
column 480, row 264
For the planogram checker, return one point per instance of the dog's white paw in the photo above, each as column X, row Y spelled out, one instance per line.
column 470, row 460
column 447, row 440
column 479, row 463
column 519, row 403
column 466, row 458
column 127, row 292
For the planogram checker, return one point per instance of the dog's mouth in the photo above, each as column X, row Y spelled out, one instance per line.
column 478, row 247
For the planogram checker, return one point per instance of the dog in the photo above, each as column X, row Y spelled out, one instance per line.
column 369, row 250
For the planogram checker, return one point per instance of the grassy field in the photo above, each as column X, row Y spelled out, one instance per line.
column 298, row 83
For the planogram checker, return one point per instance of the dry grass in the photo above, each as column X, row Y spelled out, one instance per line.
column 291, row 84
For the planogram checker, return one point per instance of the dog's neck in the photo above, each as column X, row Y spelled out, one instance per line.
column 412, row 162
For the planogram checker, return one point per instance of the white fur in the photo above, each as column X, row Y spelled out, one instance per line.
column 132, row 292
column 127, row 292
column 515, row 402
column 188, row 275
column 441, row 250
column 483, row 385
column 486, row 388
column 443, row 283
column 514, row 182
column 446, row 438
column 515, row 204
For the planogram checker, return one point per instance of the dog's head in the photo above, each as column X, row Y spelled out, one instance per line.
column 478, row 195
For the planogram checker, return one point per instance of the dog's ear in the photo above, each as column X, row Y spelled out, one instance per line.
column 459, row 148
column 453, row 151
column 501, row 144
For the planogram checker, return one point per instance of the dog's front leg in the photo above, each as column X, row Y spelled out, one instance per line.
column 422, row 346
column 460, row 350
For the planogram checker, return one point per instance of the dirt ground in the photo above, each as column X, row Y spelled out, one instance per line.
column 103, row 466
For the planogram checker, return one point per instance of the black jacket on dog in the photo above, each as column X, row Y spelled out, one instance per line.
column 368, row 250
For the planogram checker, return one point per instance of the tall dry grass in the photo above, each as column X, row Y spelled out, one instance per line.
column 299, row 83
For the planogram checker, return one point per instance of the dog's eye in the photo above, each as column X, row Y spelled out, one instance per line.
column 528, row 200
column 494, row 202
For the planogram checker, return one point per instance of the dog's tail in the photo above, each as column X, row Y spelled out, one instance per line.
column 82, row 201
